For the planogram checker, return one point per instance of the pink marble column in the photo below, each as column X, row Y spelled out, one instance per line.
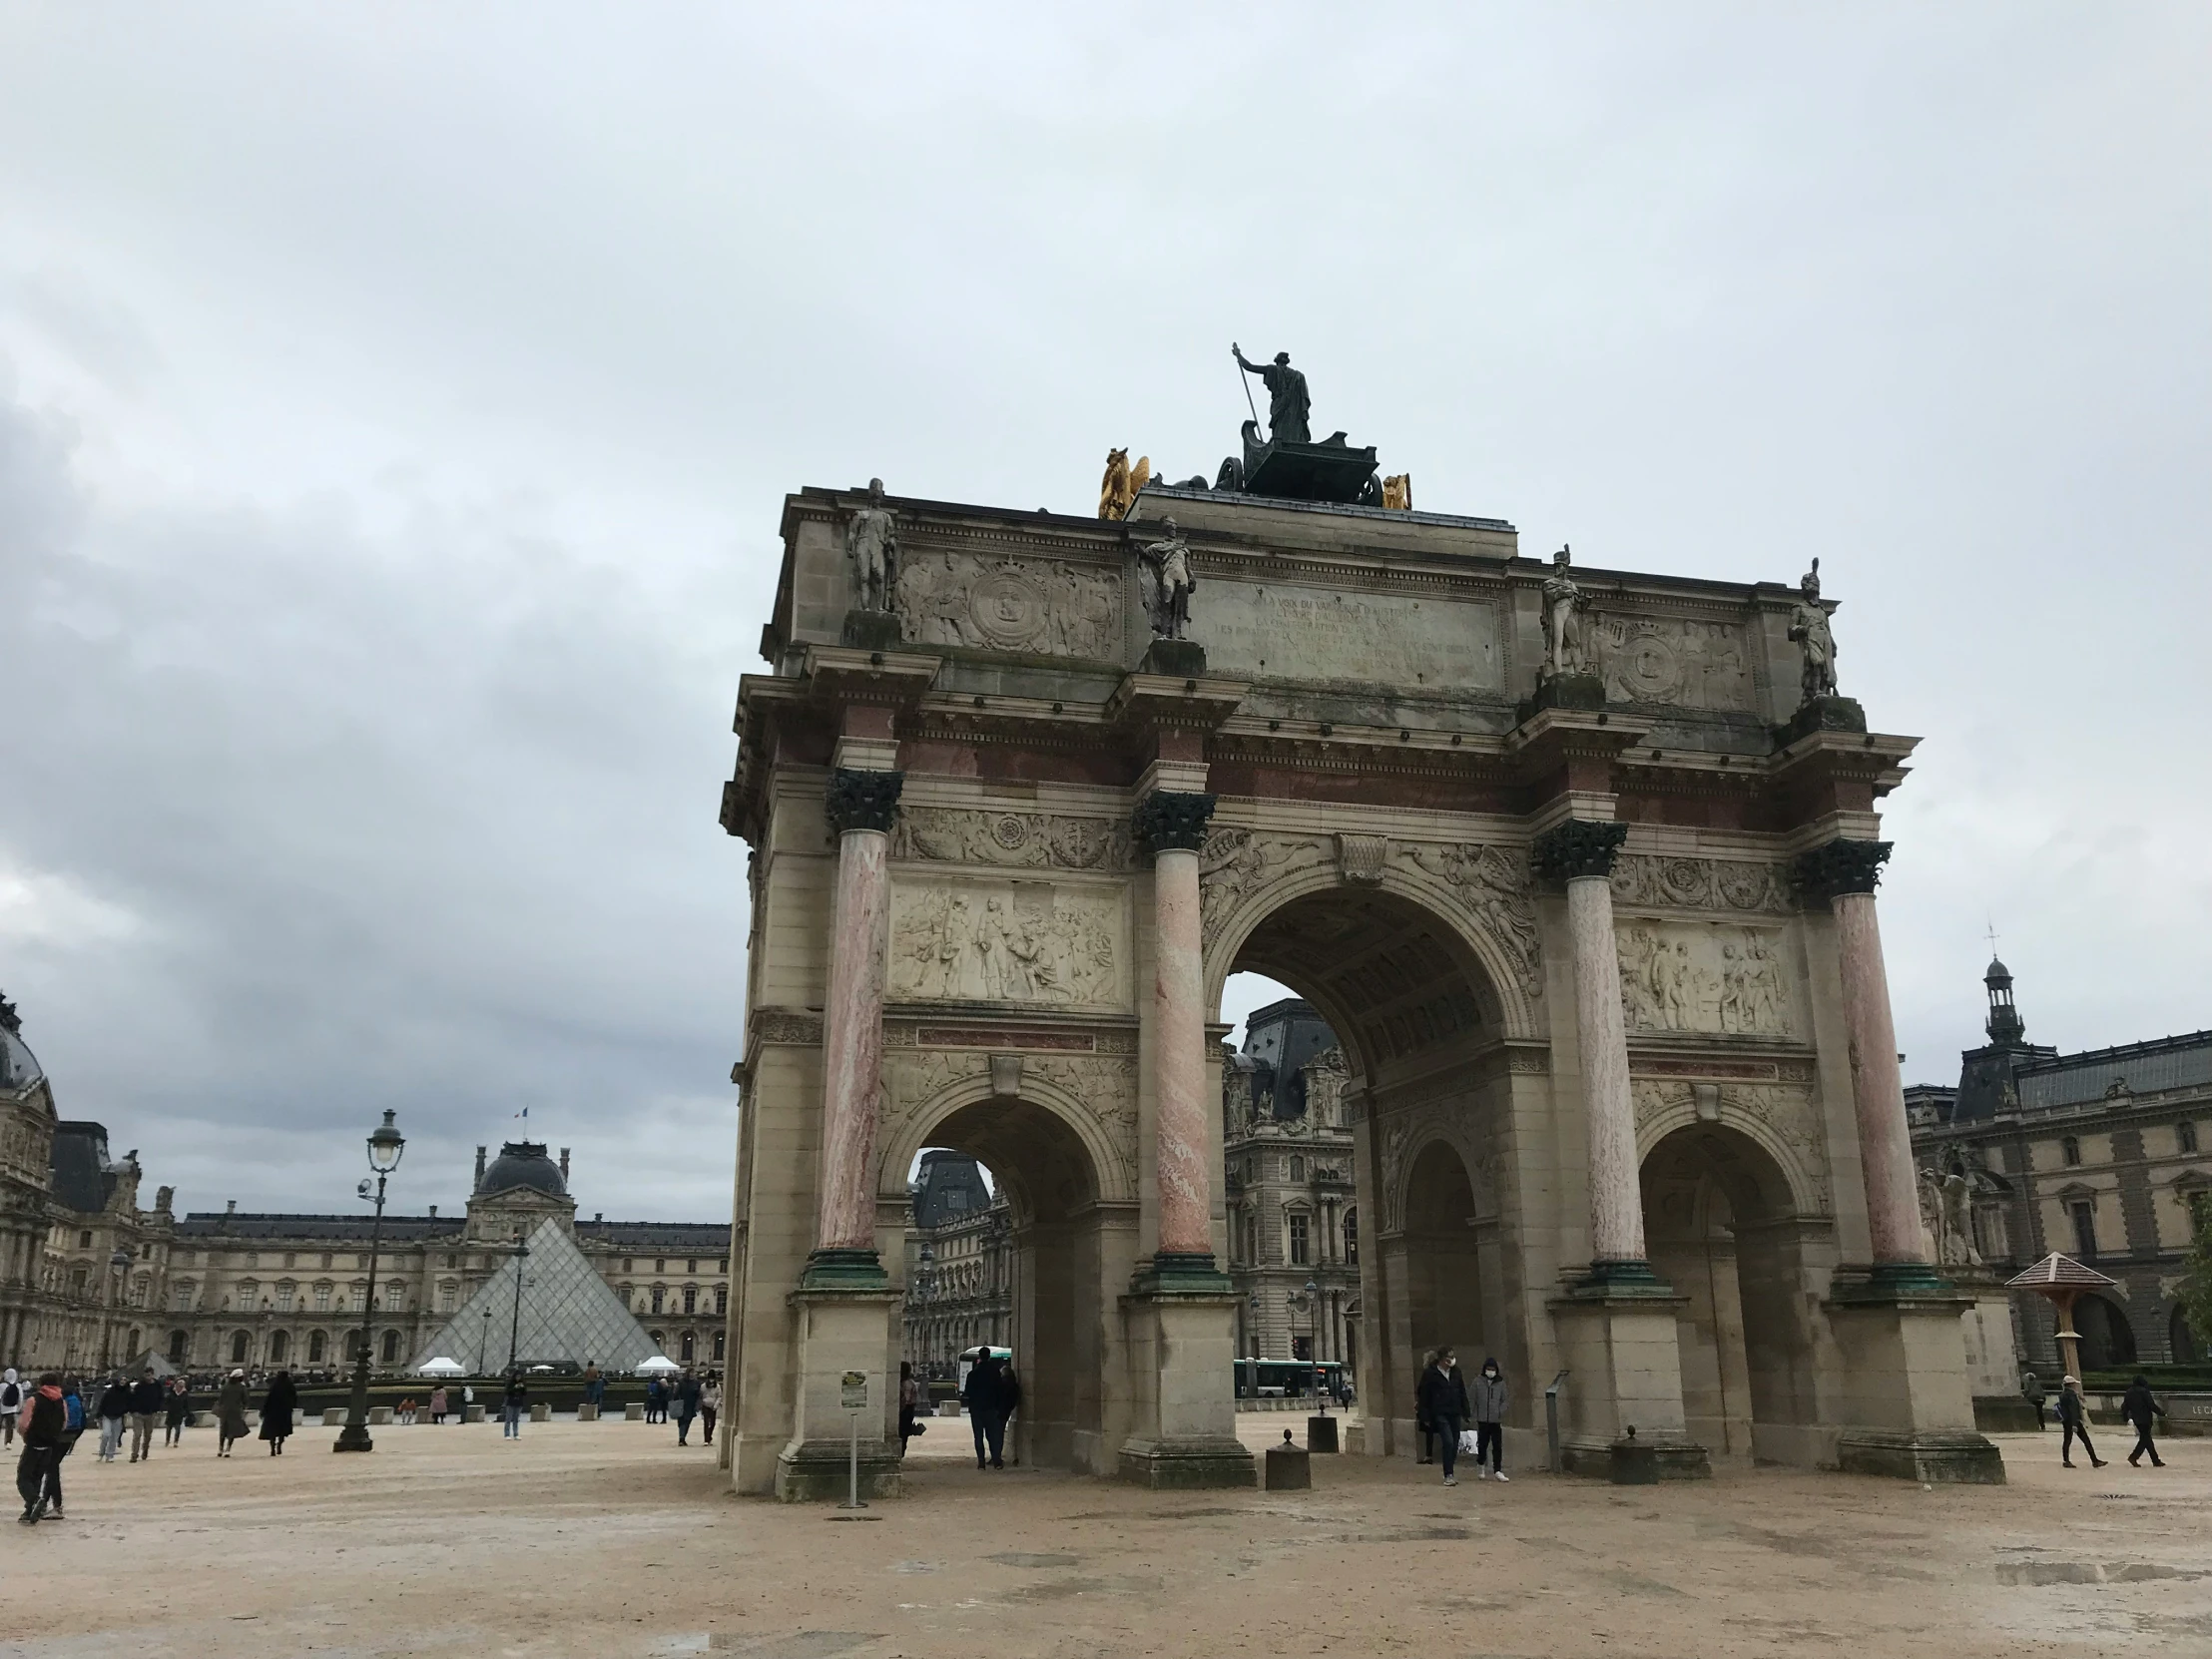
column 1876, row 1086
column 1178, row 1019
column 1173, row 825
column 1601, row 1033
column 860, row 808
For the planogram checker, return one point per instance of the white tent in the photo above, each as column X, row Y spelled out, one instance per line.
column 659, row 1361
column 442, row 1367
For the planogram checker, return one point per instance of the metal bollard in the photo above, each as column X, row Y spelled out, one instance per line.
column 1551, row 1418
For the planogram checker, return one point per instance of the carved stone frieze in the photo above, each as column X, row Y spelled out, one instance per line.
column 1678, row 976
column 1234, row 862
column 1494, row 887
column 948, row 598
column 1009, row 940
column 1684, row 662
column 783, row 1025
column 1014, row 840
column 1701, row 884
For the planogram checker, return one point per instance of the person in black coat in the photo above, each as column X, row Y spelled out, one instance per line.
column 277, row 1405
column 2139, row 1409
column 1442, row 1399
column 146, row 1413
column 2073, row 1424
column 984, row 1395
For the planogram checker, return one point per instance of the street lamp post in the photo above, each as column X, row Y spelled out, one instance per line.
column 514, row 1329
column 386, row 1144
column 1313, row 1342
column 119, row 1267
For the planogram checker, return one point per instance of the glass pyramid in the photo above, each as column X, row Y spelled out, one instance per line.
column 568, row 1315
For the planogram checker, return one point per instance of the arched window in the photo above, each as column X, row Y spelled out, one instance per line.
column 659, row 1342
column 691, row 1347
column 2069, row 1151
column 179, row 1346
column 2182, row 1341
column 316, row 1343
column 1352, row 1238
column 392, row 1347
column 239, row 1341
column 719, row 1334
column 279, row 1347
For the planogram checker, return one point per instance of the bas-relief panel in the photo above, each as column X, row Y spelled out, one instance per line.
column 1703, row 976
column 1011, row 605
column 1009, row 940
column 1022, row 841
column 1322, row 634
column 1689, row 664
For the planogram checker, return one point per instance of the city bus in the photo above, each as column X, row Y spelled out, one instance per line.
column 1270, row 1378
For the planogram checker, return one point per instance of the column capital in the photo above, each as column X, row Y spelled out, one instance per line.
column 1168, row 821
column 1578, row 847
column 1839, row 866
column 862, row 799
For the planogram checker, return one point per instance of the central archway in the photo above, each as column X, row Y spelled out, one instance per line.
column 1068, row 1233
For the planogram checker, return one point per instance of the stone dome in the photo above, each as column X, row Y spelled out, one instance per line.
column 522, row 1164
column 19, row 1067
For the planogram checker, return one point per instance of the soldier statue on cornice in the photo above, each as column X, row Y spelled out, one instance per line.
column 872, row 542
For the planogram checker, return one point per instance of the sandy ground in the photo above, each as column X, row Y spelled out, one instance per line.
column 608, row 1540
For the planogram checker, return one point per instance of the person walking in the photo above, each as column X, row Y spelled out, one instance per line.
column 175, row 1408
column 2074, row 1420
column 710, row 1406
column 1490, row 1397
column 1443, row 1402
column 2140, row 1409
column 512, row 1403
column 687, row 1406
column 437, row 1405
column 979, row 1394
column 909, row 1404
column 1009, row 1403
column 277, row 1406
column 2031, row 1391
column 114, row 1415
column 43, row 1423
column 12, row 1395
column 229, row 1414
column 595, row 1383
column 145, row 1411
column 1423, row 1431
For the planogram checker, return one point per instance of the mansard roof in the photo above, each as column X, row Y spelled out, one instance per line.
column 2143, row 1068
column 238, row 1224
column 666, row 1237
column 83, row 1176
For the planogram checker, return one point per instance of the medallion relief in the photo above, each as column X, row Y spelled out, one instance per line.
column 1685, row 663
column 1678, row 976
column 1011, row 605
column 1701, row 884
column 1020, row 841
column 1008, row 942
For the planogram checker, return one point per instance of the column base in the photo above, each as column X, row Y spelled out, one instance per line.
column 1931, row 1456
column 821, row 1472
column 1636, row 1462
column 844, row 1269
column 1620, row 1278
column 1618, row 1338
column 1188, row 1464
column 1180, row 1272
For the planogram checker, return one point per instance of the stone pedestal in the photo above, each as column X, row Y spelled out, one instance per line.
column 1184, row 656
column 334, row 1416
column 1321, row 1433
column 541, row 1413
column 587, row 1412
column 1625, row 1364
column 634, row 1411
column 380, row 1417
column 839, row 1331
column 871, row 631
column 1823, row 714
column 1906, row 1390
column 1289, row 1468
column 1180, row 1347
column 1566, row 691
column 472, row 1413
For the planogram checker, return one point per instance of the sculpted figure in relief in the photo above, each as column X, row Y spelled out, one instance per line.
column 956, row 946
column 1496, row 886
column 1729, row 984
column 871, row 543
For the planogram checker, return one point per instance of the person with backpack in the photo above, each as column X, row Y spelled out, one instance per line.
column 114, row 1415
column 1490, row 1397
column 2140, row 1409
column 1444, row 1404
column 43, row 1422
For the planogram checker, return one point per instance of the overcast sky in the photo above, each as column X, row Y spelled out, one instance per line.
column 395, row 405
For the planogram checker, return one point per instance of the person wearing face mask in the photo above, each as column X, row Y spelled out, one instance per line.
column 1490, row 1401
column 1443, row 1405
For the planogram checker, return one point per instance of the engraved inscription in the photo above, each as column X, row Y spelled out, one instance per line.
column 1320, row 634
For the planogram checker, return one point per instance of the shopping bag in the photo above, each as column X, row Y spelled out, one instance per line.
column 1468, row 1443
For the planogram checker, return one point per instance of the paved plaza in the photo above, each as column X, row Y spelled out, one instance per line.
column 607, row 1540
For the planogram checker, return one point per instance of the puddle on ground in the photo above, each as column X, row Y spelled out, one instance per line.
column 797, row 1644
column 1016, row 1558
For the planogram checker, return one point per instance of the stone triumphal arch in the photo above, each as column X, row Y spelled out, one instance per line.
column 1579, row 867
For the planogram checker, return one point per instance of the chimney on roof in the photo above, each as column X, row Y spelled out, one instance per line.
column 230, row 1206
column 564, row 1165
column 164, row 1197
column 433, row 1212
column 599, row 1214
column 479, row 1187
